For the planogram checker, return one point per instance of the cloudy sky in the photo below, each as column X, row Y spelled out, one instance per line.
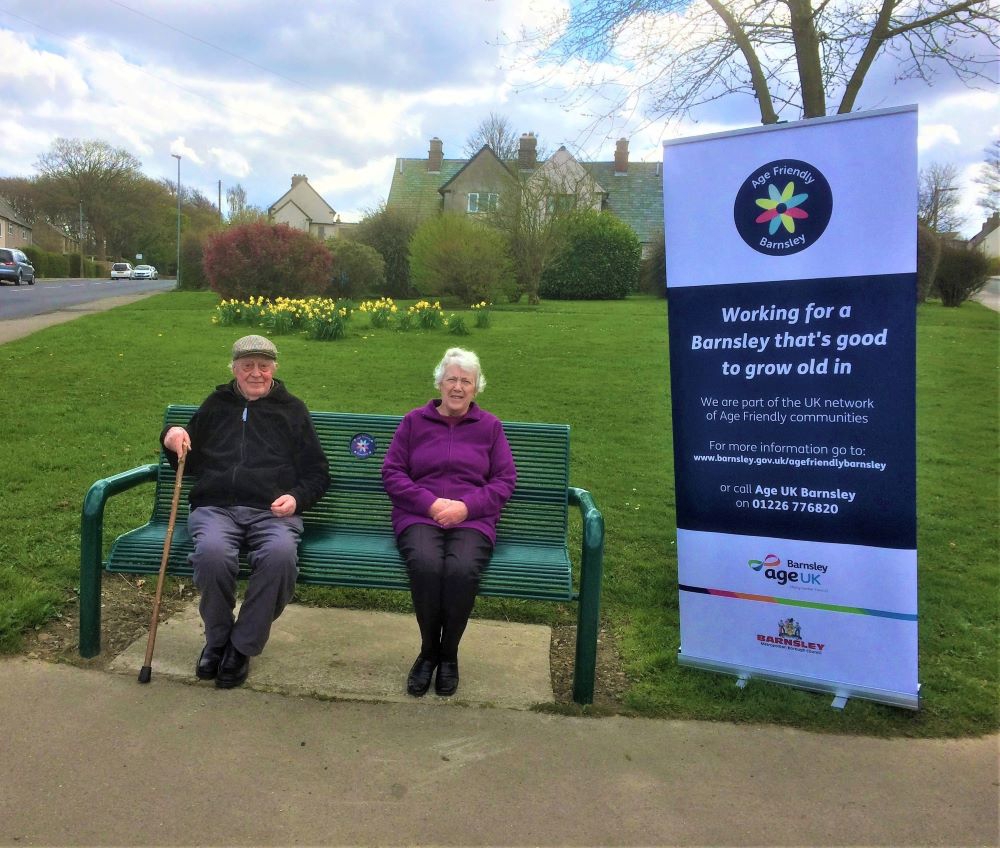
column 252, row 92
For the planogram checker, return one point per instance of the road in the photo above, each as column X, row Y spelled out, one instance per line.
column 54, row 295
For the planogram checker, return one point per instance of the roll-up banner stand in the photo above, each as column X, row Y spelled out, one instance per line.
column 791, row 284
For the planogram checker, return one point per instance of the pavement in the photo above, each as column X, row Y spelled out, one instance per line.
column 323, row 747
column 990, row 295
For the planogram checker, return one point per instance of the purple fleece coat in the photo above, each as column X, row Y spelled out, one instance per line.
column 469, row 461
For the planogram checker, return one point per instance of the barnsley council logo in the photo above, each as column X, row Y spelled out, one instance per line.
column 783, row 207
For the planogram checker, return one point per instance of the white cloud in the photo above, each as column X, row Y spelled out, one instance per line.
column 230, row 162
column 930, row 136
column 179, row 147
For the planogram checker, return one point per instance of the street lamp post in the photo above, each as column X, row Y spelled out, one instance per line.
column 178, row 158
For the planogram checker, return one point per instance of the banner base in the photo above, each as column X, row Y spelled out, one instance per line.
column 840, row 691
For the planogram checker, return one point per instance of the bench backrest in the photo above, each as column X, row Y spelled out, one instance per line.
column 535, row 514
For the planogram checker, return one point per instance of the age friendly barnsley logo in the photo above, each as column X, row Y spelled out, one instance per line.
column 783, row 207
column 363, row 445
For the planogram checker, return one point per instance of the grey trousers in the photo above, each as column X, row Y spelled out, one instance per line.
column 219, row 533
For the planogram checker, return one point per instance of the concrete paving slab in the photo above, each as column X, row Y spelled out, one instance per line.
column 362, row 655
column 90, row 758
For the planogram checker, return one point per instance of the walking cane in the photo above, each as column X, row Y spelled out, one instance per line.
column 146, row 672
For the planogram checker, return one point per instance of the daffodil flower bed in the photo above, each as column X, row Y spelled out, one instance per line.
column 326, row 319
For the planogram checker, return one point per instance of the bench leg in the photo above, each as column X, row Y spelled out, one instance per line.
column 587, row 626
column 91, row 554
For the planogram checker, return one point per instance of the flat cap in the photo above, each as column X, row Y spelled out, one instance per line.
column 254, row 346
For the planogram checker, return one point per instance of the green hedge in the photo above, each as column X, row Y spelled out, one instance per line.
column 91, row 267
column 47, row 264
column 599, row 260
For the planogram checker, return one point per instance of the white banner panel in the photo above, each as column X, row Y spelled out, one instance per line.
column 878, row 581
column 869, row 161
column 791, row 272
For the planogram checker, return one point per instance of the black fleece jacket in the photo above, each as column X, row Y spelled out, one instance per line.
column 248, row 453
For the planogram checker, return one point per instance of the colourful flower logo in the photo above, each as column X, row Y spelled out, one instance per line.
column 781, row 209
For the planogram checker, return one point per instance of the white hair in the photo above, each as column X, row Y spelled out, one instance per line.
column 464, row 359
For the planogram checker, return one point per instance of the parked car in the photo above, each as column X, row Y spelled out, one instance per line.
column 144, row 272
column 15, row 267
column 122, row 271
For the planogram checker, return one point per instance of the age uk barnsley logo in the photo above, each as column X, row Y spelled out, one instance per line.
column 783, row 207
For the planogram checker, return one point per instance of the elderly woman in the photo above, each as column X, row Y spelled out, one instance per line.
column 448, row 472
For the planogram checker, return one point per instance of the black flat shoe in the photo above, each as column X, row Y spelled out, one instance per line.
column 208, row 662
column 233, row 669
column 419, row 679
column 446, row 681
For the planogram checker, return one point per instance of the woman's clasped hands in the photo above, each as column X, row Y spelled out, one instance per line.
column 448, row 513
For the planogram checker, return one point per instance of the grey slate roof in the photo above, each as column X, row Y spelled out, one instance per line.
column 7, row 211
column 414, row 189
column 635, row 197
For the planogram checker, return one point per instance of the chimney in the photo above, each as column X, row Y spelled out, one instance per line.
column 527, row 154
column 298, row 178
column 621, row 156
column 435, row 155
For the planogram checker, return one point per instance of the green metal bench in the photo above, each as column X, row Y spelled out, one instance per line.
column 348, row 539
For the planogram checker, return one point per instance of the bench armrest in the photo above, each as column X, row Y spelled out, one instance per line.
column 589, row 610
column 91, row 549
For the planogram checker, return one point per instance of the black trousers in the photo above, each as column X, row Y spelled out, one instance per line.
column 444, row 566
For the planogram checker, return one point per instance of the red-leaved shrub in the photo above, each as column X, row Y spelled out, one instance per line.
column 269, row 260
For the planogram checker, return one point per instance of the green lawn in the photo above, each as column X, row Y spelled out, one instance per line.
column 85, row 400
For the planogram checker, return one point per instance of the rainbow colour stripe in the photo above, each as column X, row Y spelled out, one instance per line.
column 770, row 599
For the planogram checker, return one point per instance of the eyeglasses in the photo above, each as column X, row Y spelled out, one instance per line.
column 466, row 383
column 247, row 366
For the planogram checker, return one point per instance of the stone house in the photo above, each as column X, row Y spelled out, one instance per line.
column 302, row 208
column 53, row 239
column 632, row 191
column 13, row 231
column 987, row 240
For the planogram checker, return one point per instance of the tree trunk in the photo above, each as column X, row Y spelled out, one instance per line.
column 806, row 41
column 767, row 113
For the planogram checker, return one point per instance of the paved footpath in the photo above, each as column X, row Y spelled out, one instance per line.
column 94, row 758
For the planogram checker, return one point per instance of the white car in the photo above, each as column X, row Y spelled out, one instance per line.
column 121, row 271
column 144, row 272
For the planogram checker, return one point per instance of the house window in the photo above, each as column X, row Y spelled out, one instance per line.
column 559, row 203
column 483, row 201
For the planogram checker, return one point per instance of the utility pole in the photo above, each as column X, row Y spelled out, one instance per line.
column 81, row 239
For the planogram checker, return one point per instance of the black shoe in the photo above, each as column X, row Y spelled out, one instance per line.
column 446, row 681
column 419, row 679
column 208, row 662
column 233, row 669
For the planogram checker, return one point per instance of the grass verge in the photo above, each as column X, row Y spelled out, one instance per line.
column 85, row 400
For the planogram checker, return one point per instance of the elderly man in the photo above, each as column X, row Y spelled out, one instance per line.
column 258, row 464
